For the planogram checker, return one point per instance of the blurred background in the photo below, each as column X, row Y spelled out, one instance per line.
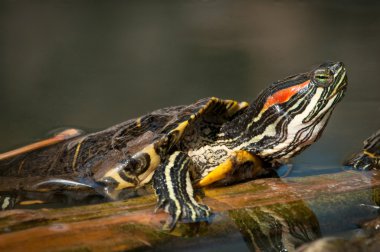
column 92, row 64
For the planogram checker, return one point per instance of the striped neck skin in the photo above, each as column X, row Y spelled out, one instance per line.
column 290, row 115
column 372, row 144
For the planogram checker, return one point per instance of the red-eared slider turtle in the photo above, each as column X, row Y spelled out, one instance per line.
column 369, row 157
column 184, row 147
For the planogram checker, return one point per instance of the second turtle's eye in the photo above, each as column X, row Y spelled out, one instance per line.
column 322, row 77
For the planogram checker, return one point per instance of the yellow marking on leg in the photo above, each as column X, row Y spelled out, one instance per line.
column 20, row 167
column 114, row 173
column 231, row 106
column 77, row 153
column 221, row 171
column 181, row 127
column 155, row 160
column 371, row 155
column 138, row 122
column 169, row 183
column 31, row 202
column 142, row 178
column 147, row 178
column 6, row 203
column 235, row 106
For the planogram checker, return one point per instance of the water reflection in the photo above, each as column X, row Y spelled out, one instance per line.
column 279, row 227
column 298, row 210
column 364, row 239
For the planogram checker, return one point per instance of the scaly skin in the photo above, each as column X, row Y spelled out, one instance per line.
column 369, row 157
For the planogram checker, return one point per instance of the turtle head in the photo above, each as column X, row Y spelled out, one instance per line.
column 291, row 113
column 306, row 96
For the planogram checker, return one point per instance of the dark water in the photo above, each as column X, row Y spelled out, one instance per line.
column 91, row 64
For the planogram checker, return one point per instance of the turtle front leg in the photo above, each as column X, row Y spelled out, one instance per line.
column 175, row 193
column 241, row 165
column 363, row 161
column 369, row 157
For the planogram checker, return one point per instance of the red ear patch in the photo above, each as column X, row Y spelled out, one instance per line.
column 283, row 95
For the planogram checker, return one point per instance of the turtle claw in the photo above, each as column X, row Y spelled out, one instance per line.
column 360, row 162
column 160, row 204
column 186, row 213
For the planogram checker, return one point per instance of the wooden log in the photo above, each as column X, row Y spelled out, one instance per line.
column 131, row 224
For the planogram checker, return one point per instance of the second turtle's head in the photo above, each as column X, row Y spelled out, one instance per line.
column 291, row 113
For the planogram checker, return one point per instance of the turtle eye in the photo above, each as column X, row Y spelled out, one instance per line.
column 322, row 77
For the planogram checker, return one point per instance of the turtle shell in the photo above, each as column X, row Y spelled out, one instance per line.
column 84, row 157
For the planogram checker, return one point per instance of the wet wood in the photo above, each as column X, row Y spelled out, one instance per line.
column 131, row 224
